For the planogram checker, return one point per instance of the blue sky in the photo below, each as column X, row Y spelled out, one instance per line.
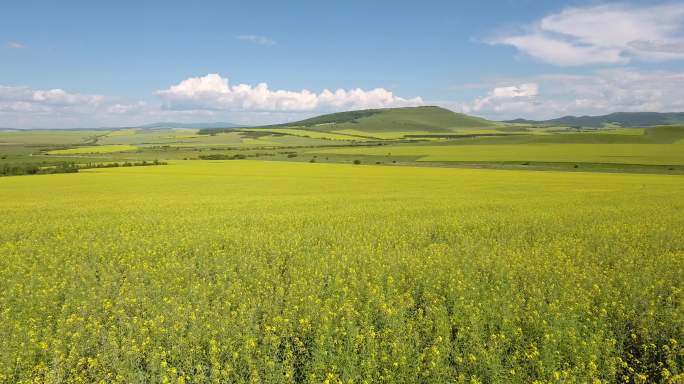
column 86, row 63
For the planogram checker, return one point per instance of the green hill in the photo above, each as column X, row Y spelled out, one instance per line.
column 623, row 119
column 411, row 119
column 431, row 119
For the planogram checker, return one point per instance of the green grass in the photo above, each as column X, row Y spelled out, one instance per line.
column 188, row 138
column 48, row 137
column 259, row 142
column 95, row 149
column 244, row 271
column 307, row 133
column 504, row 145
column 624, row 119
column 123, row 132
column 625, row 131
column 388, row 135
column 150, row 136
column 654, row 146
column 576, row 153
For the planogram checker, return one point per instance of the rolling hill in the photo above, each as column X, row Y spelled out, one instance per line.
column 623, row 119
column 429, row 118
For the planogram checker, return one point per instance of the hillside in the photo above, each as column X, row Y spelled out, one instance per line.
column 623, row 119
column 429, row 119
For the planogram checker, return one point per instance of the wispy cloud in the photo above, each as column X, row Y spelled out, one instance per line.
column 15, row 45
column 600, row 92
column 603, row 34
column 256, row 39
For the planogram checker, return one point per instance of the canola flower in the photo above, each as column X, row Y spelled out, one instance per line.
column 266, row 272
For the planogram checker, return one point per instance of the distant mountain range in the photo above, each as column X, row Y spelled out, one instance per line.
column 189, row 125
column 426, row 118
column 145, row 126
column 623, row 119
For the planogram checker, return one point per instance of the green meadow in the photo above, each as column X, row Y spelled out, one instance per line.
column 670, row 154
column 423, row 136
column 650, row 146
column 94, row 149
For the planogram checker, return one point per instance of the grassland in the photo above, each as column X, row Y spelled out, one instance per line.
column 649, row 146
column 246, row 271
column 94, row 149
column 569, row 153
column 413, row 136
column 47, row 137
column 308, row 133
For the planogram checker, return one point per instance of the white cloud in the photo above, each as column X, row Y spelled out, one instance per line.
column 58, row 97
column 25, row 107
column 256, row 39
column 522, row 90
column 561, row 52
column 208, row 98
column 213, row 98
column 15, row 45
column 605, row 91
column 27, row 99
column 213, row 92
column 604, row 34
column 503, row 96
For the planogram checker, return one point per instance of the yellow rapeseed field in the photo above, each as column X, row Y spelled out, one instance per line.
column 268, row 272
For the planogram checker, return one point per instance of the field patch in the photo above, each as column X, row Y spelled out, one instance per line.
column 307, row 133
column 670, row 154
column 255, row 142
column 49, row 137
column 95, row 149
column 123, row 132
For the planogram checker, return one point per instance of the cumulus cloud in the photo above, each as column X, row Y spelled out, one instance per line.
column 207, row 98
column 522, row 90
column 213, row 92
column 604, row 34
column 256, row 39
column 504, row 95
column 602, row 92
column 25, row 107
column 27, row 100
column 213, row 98
column 59, row 97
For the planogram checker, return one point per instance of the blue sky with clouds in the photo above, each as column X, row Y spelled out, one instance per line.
column 85, row 63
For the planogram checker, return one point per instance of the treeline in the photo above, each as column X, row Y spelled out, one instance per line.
column 214, row 131
column 66, row 167
column 143, row 163
column 237, row 156
column 33, row 169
